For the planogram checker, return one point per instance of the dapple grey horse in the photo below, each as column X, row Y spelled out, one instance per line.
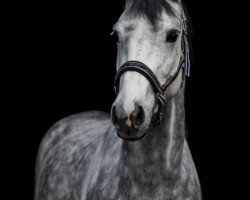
column 141, row 152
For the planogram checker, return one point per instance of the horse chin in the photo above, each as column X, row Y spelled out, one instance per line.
column 132, row 135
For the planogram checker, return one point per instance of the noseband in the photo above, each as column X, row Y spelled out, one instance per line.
column 145, row 71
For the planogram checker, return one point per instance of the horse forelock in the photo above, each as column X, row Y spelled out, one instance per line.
column 152, row 9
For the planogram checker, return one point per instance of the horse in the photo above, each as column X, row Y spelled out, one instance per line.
column 139, row 151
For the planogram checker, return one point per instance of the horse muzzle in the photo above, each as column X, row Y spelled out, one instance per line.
column 129, row 125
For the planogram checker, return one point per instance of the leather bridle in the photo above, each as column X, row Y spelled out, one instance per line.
column 158, row 88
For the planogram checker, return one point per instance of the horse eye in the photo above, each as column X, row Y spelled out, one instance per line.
column 172, row 36
column 115, row 36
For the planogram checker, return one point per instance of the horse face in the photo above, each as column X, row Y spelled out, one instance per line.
column 159, row 47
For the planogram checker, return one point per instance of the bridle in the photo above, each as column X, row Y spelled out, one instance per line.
column 151, row 77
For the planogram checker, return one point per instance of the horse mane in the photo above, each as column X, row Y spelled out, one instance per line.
column 150, row 8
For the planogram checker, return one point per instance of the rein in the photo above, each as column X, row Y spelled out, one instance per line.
column 145, row 71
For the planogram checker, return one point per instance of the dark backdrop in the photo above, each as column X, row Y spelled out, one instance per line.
column 65, row 63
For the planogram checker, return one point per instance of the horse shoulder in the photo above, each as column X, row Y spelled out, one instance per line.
column 65, row 154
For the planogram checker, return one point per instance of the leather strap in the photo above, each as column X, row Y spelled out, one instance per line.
column 142, row 69
column 150, row 76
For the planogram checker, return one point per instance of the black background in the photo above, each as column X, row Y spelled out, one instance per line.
column 64, row 63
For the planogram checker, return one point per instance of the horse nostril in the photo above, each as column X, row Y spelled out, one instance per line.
column 123, row 122
column 114, row 116
column 138, row 116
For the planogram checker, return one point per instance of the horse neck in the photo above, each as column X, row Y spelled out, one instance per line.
column 162, row 147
